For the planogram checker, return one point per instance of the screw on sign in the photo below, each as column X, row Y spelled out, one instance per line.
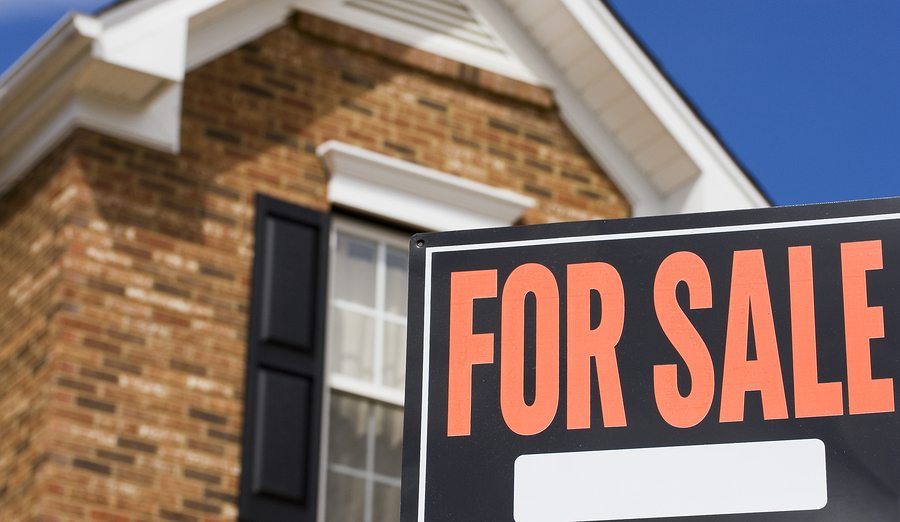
column 736, row 364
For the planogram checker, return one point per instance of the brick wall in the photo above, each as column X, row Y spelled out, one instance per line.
column 33, row 219
column 131, row 267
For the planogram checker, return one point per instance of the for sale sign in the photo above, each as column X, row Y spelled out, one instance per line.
column 738, row 364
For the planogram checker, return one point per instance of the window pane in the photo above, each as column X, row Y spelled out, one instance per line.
column 352, row 343
column 347, row 434
column 387, row 503
column 355, row 263
column 388, row 440
column 346, row 498
column 395, row 284
column 394, row 365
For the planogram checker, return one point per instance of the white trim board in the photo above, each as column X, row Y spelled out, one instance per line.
column 408, row 193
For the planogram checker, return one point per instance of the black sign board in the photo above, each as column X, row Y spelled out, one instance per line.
column 737, row 364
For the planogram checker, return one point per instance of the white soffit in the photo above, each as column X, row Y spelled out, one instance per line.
column 622, row 108
column 409, row 193
column 447, row 28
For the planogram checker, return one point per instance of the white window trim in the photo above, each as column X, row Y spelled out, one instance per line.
column 365, row 390
column 404, row 192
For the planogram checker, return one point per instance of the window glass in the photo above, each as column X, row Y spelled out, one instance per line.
column 394, row 363
column 397, row 270
column 365, row 441
column 387, row 502
column 352, row 342
column 349, row 428
column 367, row 369
column 356, row 262
column 388, row 440
column 346, row 497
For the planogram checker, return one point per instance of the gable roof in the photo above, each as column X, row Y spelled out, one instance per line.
column 121, row 71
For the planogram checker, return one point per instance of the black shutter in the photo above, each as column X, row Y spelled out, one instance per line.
column 285, row 352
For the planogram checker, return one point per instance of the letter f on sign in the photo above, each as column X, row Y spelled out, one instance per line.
column 466, row 348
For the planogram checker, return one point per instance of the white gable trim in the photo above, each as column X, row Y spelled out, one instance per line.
column 405, row 192
column 229, row 25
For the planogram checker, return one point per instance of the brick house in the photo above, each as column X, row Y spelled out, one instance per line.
column 204, row 209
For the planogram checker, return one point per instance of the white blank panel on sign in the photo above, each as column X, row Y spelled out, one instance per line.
column 718, row 479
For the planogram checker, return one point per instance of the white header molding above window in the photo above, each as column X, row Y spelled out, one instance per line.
column 409, row 193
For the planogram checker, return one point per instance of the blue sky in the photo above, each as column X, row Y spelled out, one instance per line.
column 22, row 22
column 805, row 93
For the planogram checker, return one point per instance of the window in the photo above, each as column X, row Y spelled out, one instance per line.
column 366, row 315
column 290, row 454
column 366, row 357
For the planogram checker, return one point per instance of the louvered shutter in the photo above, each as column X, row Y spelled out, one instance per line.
column 285, row 352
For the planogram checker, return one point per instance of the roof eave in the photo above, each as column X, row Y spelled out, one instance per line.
column 120, row 73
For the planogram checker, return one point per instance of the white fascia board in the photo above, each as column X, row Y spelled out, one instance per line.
column 232, row 28
column 155, row 126
column 155, row 36
column 47, row 45
column 577, row 114
column 157, row 49
column 675, row 115
column 420, row 38
column 405, row 192
column 50, row 134
column 36, row 115
column 152, row 39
